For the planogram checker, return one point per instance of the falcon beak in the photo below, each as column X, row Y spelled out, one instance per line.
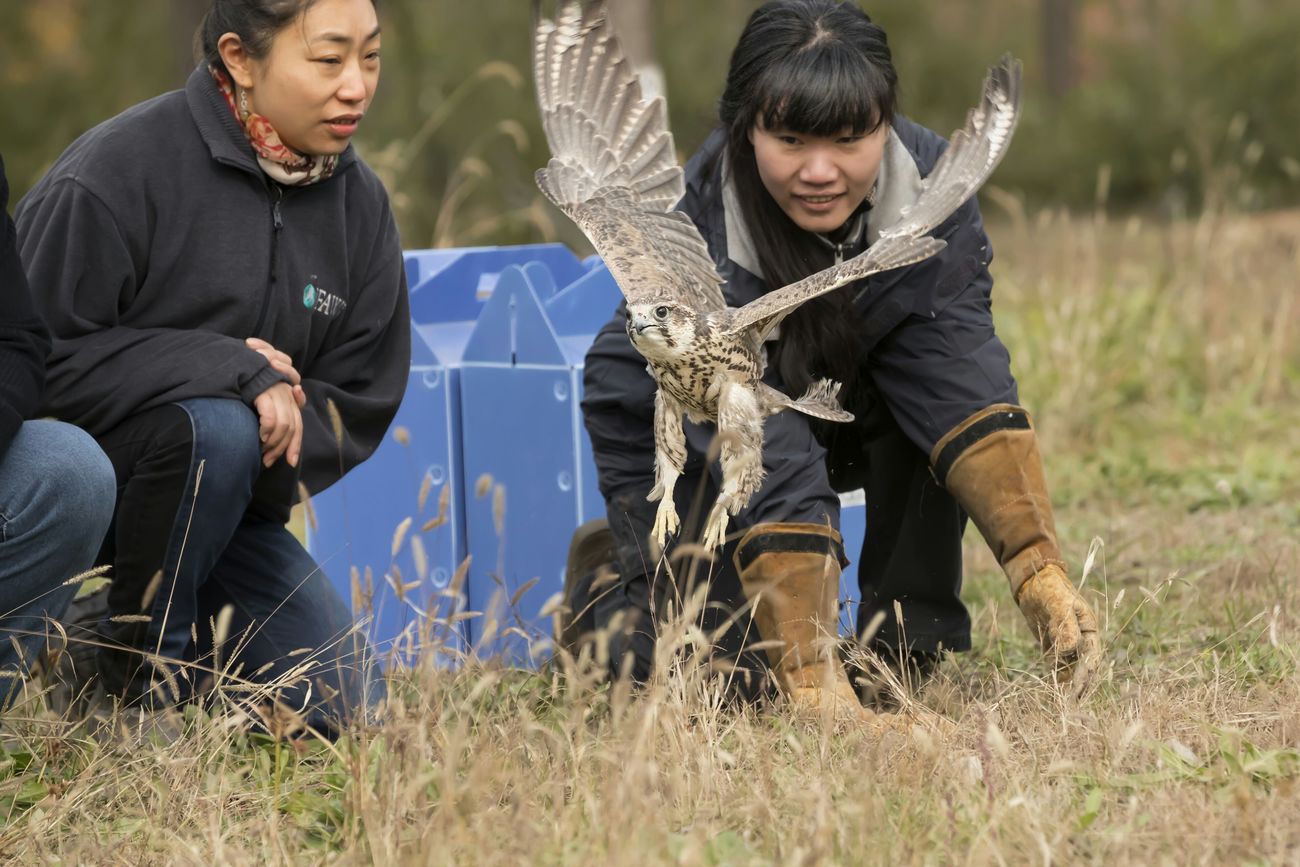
column 638, row 323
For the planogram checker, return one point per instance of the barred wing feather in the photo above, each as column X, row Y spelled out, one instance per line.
column 613, row 169
column 973, row 153
column 765, row 312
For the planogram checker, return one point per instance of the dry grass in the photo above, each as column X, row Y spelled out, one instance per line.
column 1162, row 364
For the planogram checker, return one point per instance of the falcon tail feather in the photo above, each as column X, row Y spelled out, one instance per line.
column 821, row 400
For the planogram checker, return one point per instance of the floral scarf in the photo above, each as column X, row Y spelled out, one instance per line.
column 280, row 162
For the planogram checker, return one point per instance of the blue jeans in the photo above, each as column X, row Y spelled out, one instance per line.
column 56, row 501
column 217, row 591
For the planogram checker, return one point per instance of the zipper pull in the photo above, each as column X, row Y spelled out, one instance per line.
column 839, row 254
column 275, row 208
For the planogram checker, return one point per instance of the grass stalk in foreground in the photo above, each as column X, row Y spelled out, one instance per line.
column 1161, row 363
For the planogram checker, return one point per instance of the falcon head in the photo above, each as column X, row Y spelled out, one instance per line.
column 660, row 329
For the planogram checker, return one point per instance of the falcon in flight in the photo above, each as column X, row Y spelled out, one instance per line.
column 614, row 172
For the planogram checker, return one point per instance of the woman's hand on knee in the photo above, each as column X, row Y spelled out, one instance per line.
column 280, row 363
column 279, row 423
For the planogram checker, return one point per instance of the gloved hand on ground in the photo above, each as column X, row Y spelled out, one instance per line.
column 1065, row 625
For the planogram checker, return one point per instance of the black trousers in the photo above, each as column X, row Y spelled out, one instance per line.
column 198, row 539
column 911, row 553
column 649, row 593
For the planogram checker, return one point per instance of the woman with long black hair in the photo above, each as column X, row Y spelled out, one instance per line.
column 812, row 159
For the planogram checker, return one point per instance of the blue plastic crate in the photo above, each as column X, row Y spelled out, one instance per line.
column 526, row 456
column 356, row 520
column 853, row 527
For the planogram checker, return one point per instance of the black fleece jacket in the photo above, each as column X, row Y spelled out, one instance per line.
column 24, row 342
column 156, row 245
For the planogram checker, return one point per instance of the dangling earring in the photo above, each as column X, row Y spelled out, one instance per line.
column 243, row 103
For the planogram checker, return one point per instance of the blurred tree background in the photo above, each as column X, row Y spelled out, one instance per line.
column 1159, row 106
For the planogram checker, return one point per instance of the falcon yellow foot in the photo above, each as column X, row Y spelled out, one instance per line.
column 715, row 531
column 665, row 522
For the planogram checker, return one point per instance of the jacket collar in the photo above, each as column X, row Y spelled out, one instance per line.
column 222, row 133
column 897, row 186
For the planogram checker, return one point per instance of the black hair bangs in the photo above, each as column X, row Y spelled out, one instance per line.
column 822, row 90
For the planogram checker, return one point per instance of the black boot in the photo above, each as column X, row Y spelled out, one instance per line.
column 591, row 569
column 883, row 676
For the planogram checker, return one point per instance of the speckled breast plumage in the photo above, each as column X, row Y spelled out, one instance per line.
column 695, row 372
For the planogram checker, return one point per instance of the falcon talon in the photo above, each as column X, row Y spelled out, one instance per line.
column 665, row 522
column 614, row 172
column 715, row 532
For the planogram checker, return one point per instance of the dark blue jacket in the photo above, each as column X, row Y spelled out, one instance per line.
column 927, row 337
column 155, row 245
column 24, row 342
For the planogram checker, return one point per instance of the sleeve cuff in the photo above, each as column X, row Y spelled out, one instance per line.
column 266, row 377
column 1001, row 416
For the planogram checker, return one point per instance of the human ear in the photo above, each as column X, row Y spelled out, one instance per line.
column 235, row 57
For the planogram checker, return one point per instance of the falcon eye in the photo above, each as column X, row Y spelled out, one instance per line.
column 661, row 312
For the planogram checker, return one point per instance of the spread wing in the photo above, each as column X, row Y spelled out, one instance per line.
column 613, row 170
column 764, row 313
column 973, row 153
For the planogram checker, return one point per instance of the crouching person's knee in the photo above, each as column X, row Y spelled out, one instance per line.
column 225, row 441
column 71, row 490
column 56, row 502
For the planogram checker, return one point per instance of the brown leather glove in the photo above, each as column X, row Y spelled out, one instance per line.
column 1065, row 626
column 991, row 464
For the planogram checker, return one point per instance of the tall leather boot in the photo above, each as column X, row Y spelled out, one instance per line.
column 791, row 575
column 991, row 465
